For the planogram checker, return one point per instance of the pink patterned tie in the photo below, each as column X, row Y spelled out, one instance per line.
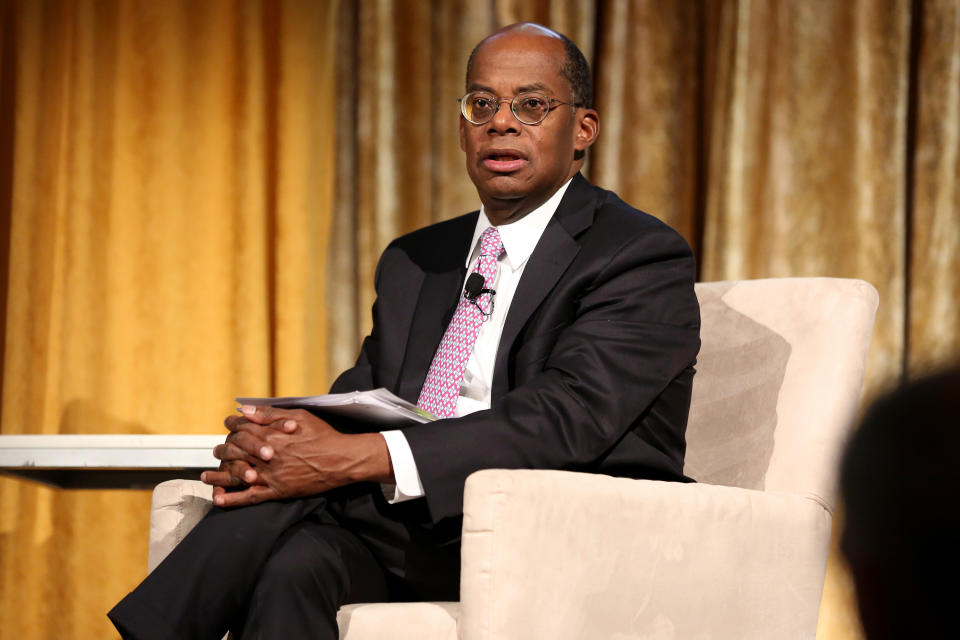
column 442, row 386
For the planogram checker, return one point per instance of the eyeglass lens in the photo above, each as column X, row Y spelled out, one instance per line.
column 529, row 107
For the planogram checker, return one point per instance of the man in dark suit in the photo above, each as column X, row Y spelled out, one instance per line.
column 575, row 351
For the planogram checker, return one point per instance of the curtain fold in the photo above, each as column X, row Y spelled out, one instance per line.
column 193, row 197
column 649, row 95
column 400, row 70
column 807, row 151
column 167, row 163
column 934, row 281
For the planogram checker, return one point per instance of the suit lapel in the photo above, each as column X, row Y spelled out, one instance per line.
column 554, row 252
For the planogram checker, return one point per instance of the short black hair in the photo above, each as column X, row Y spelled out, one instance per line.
column 574, row 69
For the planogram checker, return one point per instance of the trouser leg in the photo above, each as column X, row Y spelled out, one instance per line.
column 211, row 580
column 313, row 569
column 203, row 585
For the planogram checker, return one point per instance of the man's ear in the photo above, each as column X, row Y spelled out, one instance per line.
column 463, row 134
column 587, row 130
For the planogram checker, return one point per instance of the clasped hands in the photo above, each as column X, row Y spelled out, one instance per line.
column 272, row 454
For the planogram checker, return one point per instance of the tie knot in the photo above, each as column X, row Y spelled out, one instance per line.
column 490, row 243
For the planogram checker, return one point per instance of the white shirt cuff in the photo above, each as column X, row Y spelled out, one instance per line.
column 405, row 473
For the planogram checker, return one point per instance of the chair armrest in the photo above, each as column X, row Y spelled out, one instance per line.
column 177, row 506
column 554, row 554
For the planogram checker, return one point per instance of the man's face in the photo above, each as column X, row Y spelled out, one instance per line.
column 516, row 167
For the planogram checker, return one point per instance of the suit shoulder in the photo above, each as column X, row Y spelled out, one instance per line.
column 436, row 247
column 442, row 231
column 622, row 223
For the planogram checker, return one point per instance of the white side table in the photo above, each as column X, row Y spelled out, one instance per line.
column 107, row 461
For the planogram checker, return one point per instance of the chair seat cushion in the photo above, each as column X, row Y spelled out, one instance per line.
column 399, row 621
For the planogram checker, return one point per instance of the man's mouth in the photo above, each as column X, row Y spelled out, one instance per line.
column 503, row 160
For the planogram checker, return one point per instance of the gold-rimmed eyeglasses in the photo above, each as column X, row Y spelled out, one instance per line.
column 529, row 107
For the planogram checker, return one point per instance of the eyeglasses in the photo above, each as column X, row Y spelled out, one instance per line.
column 529, row 107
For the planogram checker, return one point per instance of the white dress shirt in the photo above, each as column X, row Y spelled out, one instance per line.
column 519, row 240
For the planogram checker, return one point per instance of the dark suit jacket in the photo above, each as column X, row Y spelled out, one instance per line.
column 594, row 366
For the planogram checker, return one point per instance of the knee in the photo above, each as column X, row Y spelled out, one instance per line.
column 301, row 561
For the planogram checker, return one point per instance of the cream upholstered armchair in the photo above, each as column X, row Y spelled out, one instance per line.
column 742, row 554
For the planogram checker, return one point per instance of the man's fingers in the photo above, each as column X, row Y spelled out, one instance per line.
column 225, row 479
column 265, row 415
column 232, row 473
column 241, row 444
column 251, row 495
column 235, row 423
column 255, row 418
column 230, row 450
column 243, row 423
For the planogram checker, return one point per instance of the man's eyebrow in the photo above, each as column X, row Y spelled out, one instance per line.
column 535, row 86
column 474, row 86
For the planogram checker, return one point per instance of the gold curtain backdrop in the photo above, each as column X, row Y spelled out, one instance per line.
column 193, row 197
column 171, row 173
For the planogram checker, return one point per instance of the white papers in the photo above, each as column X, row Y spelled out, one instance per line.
column 379, row 406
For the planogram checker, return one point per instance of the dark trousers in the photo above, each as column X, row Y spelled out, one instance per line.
column 282, row 569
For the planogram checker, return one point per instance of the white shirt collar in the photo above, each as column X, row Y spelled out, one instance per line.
column 520, row 237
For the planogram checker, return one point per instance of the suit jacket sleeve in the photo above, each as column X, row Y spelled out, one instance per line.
column 599, row 378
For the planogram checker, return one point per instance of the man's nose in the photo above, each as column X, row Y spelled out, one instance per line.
column 503, row 121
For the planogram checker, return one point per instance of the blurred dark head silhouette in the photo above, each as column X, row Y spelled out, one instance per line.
column 902, row 533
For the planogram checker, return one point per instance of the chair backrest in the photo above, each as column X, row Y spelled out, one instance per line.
column 778, row 382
